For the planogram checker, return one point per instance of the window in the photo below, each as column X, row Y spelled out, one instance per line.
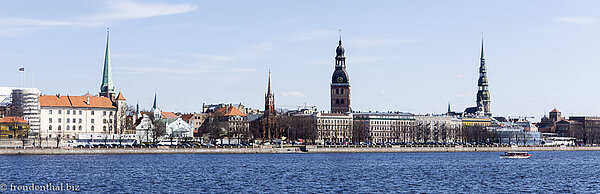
column 103, row 113
column 92, row 113
column 92, row 121
column 59, row 120
column 80, row 112
column 342, row 102
column 79, row 120
column 80, row 128
column 104, row 121
column 68, row 112
column 59, row 127
column 104, row 128
column 92, row 128
column 110, row 113
column 49, row 120
column 110, row 121
column 337, row 101
column 68, row 120
column 68, row 127
column 49, row 112
column 50, row 128
column 59, row 111
column 74, row 128
column 342, row 91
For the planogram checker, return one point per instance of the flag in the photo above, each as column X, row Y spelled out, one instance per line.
column 22, row 69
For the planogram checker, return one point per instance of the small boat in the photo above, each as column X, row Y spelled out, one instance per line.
column 510, row 155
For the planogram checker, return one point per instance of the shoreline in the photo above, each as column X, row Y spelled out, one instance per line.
column 272, row 150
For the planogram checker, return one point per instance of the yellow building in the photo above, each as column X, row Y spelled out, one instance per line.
column 13, row 127
column 481, row 122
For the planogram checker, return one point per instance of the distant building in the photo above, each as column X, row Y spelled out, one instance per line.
column 333, row 127
column 23, row 102
column 548, row 124
column 228, row 123
column 340, row 86
column 195, row 120
column 440, row 128
column 383, row 127
column 13, row 127
column 68, row 116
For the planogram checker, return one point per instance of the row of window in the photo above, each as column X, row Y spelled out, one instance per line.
column 338, row 101
column 75, row 128
column 339, row 91
column 79, row 121
column 110, row 113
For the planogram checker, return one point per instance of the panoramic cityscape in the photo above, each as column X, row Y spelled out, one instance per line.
column 185, row 86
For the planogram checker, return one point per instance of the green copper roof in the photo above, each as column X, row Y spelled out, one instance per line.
column 107, row 82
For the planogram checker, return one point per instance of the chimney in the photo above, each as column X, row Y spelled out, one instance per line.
column 88, row 100
column 58, row 95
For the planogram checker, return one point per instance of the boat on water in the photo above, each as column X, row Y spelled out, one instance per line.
column 517, row 155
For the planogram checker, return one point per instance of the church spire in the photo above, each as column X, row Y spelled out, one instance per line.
column 154, row 104
column 483, row 95
column 269, row 91
column 107, row 88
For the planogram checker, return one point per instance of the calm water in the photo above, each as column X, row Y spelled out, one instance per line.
column 361, row 172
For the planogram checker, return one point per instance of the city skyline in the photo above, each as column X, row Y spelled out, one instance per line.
column 392, row 68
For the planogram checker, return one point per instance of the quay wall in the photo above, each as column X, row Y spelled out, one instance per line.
column 252, row 150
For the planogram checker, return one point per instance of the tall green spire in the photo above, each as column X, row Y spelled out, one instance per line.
column 107, row 86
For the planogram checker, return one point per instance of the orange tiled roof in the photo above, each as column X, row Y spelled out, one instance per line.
column 228, row 111
column 12, row 120
column 168, row 115
column 75, row 101
column 120, row 96
column 187, row 117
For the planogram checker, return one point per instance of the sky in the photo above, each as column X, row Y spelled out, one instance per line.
column 410, row 56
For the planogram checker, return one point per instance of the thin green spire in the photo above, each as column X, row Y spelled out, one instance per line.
column 107, row 82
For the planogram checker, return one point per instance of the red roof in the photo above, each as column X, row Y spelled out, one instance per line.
column 75, row 101
column 228, row 111
column 187, row 117
column 168, row 115
column 13, row 120
column 120, row 96
column 554, row 110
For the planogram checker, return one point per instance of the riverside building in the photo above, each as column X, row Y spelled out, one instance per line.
column 69, row 116
column 383, row 127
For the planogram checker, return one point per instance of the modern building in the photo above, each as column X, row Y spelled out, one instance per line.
column 25, row 101
column 383, row 127
column 340, row 85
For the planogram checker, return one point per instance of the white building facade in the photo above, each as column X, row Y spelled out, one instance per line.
column 69, row 116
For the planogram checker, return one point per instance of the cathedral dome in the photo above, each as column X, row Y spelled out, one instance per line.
column 339, row 76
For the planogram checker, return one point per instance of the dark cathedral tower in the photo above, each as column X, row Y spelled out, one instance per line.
column 340, row 86
column 483, row 95
column 270, row 128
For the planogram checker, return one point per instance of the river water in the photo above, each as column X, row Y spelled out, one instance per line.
column 544, row 172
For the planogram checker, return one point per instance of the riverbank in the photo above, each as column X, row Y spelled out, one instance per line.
column 267, row 150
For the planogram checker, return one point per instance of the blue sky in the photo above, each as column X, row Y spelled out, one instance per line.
column 401, row 55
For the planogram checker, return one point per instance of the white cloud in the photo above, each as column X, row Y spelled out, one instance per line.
column 115, row 11
column 294, row 94
column 121, row 10
column 576, row 20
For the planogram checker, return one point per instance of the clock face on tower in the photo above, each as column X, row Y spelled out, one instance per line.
column 340, row 79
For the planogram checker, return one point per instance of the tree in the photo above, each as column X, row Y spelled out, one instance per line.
column 157, row 128
column 360, row 131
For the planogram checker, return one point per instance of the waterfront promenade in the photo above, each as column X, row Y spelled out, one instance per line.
column 285, row 149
